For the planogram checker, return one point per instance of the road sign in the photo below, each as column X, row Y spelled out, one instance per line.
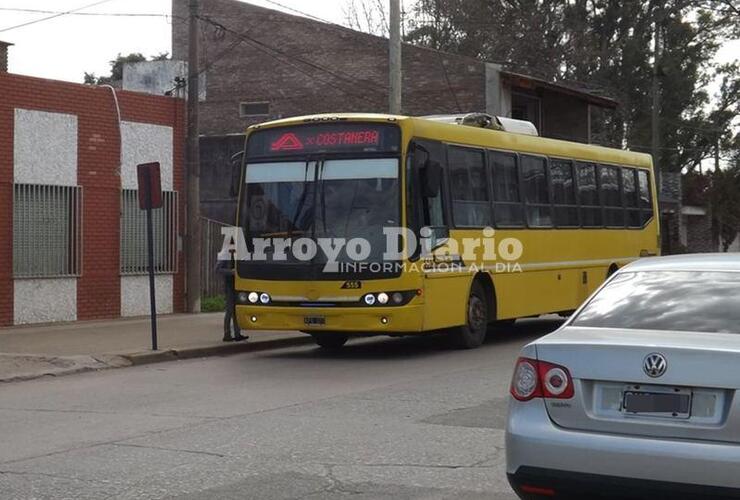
column 150, row 197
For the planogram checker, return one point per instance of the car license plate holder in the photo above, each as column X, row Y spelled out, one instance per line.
column 314, row 321
column 673, row 402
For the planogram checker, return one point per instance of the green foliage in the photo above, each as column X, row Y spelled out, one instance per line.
column 606, row 46
column 213, row 304
column 116, row 68
column 725, row 203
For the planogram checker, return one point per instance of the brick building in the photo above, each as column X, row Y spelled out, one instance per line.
column 260, row 64
column 71, row 234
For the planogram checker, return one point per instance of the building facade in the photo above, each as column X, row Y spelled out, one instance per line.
column 72, row 240
column 258, row 64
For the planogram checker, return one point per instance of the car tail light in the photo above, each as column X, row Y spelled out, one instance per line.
column 540, row 379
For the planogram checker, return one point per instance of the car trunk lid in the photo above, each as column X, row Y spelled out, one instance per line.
column 695, row 398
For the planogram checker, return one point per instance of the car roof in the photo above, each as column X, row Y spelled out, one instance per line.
column 690, row 262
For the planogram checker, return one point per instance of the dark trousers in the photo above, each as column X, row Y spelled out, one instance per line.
column 230, row 313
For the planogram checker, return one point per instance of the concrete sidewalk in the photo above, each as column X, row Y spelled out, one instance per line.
column 33, row 351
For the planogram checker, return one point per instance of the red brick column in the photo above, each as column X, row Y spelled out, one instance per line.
column 6, row 205
column 98, row 167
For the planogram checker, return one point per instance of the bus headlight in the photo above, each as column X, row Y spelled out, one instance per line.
column 253, row 297
column 265, row 298
column 243, row 297
column 397, row 297
column 382, row 298
column 369, row 299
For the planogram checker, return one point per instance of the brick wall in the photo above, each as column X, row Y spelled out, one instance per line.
column 98, row 288
column 303, row 67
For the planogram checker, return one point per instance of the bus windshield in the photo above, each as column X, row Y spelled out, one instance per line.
column 339, row 199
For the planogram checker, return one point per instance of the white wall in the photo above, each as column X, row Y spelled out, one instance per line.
column 44, row 148
column 135, row 295
column 144, row 143
column 44, row 300
column 45, row 152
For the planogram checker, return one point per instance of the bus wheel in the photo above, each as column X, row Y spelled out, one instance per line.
column 330, row 341
column 473, row 333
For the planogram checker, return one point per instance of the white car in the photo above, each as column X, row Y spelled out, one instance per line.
column 637, row 395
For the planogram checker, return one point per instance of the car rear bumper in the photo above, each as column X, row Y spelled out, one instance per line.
column 532, row 483
column 535, row 443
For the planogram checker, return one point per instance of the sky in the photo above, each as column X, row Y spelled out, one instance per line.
column 66, row 47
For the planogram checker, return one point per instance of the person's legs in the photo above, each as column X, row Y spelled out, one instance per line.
column 237, row 331
column 228, row 310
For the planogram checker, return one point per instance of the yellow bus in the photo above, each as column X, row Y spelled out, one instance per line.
column 493, row 223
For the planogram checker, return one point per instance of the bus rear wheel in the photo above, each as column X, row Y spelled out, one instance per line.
column 473, row 332
column 330, row 341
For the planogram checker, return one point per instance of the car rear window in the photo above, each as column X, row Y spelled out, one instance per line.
column 667, row 300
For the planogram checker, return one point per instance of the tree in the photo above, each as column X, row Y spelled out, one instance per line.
column 606, row 46
column 116, row 68
column 725, row 204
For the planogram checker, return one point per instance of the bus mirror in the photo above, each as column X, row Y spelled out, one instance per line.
column 236, row 173
column 432, row 178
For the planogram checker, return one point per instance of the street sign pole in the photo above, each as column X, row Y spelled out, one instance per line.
column 150, row 251
column 150, row 197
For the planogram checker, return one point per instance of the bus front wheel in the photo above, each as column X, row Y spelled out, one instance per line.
column 330, row 341
column 473, row 332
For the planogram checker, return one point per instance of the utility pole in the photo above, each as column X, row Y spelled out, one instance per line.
column 656, row 98
column 193, row 248
column 394, row 58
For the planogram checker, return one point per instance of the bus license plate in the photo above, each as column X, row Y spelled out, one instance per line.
column 314, row 320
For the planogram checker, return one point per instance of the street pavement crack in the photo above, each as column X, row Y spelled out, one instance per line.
column 176, row 450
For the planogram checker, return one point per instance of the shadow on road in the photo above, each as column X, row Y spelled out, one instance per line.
column 522, row 331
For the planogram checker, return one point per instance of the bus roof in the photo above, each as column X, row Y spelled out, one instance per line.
column 481, row 137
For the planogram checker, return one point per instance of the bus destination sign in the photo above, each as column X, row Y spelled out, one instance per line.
column 325, row 138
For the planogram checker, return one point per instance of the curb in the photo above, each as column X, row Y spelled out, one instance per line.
column 107, row 361
column 148, row 357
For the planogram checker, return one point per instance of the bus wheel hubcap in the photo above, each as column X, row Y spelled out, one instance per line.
column 477, row 313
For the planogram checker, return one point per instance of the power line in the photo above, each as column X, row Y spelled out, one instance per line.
column 59, row 14
column 287, row 59
column 305, row 14
column 72, row 13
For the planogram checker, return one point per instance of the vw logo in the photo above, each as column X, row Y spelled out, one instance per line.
column 654, row 365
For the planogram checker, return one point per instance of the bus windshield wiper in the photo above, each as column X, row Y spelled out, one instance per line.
column 302, row 201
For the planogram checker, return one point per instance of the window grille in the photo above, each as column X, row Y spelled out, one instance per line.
column 47, row 231
column 134, row 258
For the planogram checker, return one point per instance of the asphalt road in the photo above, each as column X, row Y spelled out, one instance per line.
column 401, row 418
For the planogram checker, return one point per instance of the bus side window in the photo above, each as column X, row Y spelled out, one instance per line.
column 588, row 195
column 468, row 187
column 564, row 193
column 646, row 201
column 507, row 204
column 629, row 188
column 536, row 191
column 431, row 211
column 611, row 196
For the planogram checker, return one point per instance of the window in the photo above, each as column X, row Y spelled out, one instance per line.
column 704, row 301
column 611, row 196
column 47, row 227
column 469, row 190
column 247, row 109
column 646, row 198
column 508, row 209
column 134, row 259
column 629, row 188
column 588, row 195
column 426, row 211
column 536, row 192
column 564, row 193
column 526, row 107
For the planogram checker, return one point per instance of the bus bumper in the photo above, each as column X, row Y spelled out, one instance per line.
column 376, row 320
